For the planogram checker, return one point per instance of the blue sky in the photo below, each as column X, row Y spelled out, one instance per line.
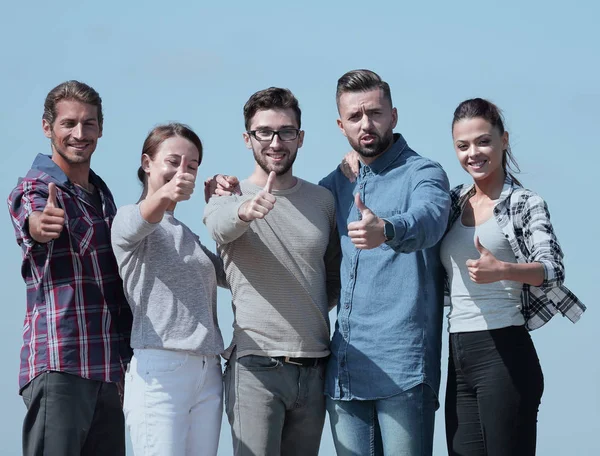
column 154, row 62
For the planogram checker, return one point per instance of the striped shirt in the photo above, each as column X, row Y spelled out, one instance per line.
column 77, row 320
column 524, row 219
column 283, row 270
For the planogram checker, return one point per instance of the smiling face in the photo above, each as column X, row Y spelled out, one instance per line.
column 275, row 155
column 74, row 133
column 161, row 168
column 480, row 149
column 367, row 119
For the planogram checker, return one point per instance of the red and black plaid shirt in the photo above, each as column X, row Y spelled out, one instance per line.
column 78, row 320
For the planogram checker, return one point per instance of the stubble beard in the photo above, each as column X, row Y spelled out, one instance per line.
column 377, row 148
column 71, row 160
column 279, row 171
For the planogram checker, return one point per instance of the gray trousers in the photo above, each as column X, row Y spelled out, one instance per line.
column 274, row 408
column 72, row 416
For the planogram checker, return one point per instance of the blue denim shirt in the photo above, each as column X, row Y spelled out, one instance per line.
column 387, row 336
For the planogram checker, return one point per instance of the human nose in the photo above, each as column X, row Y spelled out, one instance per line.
column 276, row 141
column 77, row 131
column 365, row 122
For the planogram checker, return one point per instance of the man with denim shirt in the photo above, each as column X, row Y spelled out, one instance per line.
column 383, row 374
column 77, row 325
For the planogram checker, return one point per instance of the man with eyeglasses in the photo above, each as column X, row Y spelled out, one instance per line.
column 280, row 250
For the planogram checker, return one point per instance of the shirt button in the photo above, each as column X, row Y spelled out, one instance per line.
column 506, row 236
column 342, row 363
column 347, row 306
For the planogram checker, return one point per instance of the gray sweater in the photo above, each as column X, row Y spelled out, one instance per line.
column 170, row 281
column 284, row 270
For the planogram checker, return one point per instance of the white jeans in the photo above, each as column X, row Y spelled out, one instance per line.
column 173, row 403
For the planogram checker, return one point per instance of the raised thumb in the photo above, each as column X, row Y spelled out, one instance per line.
column 183, row 165
column 270, row 180
column 359, row 204
column 51, row 195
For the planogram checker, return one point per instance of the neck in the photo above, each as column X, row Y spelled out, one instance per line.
column 79, row 173
column 285, row 181
column 490, row 187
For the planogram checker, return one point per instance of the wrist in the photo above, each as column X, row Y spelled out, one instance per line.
column 388, row 229
column 242, row 212
column 505, row 270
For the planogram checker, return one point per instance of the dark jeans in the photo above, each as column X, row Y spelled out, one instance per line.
column 71, row 416
column 495, row 384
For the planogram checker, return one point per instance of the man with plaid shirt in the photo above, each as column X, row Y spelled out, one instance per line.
column 77, row 324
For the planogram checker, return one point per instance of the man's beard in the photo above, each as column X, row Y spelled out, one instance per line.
column 279, row 170
column 78, row 160
column 379, row 146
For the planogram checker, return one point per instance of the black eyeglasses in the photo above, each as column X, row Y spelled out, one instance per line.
column 286, row 134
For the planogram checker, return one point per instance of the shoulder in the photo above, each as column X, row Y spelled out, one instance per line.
column 330, row 180
column 458, row 191
column 127, row 211
column 35, row 182
column 523, row 199
column 315, row 190
column 423, row 167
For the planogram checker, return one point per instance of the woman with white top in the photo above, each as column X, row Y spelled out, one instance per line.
column 505, row 275
column 173, row 388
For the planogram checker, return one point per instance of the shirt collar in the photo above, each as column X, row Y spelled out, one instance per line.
column 45, row 164
column 388, row 157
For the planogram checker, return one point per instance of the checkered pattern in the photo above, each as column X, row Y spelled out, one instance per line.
column 524, row 219
column 77, row 320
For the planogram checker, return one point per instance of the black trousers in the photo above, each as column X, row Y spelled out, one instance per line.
column 72, row 416
column 494, row 389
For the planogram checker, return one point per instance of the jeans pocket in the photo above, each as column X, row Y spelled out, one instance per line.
column 258, row 363
column 27, row 392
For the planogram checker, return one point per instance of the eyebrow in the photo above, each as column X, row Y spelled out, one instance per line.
column 283, row 127
column 475, row 139
column 174, row 155
column 72, row 119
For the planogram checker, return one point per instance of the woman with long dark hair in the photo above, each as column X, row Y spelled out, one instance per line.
column 505, row 276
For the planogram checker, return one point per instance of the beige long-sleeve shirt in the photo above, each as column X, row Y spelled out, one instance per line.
column 283, row 270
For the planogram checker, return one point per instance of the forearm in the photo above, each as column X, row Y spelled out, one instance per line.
column 529, row 273
column 222, row 220
column 35, row 231
column 153, row 207
column 425, row 221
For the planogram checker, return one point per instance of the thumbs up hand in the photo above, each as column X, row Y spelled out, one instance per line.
column 367, row 233
column 47, row 225
column 259, row 206
column 181, row 186
column 486, row 269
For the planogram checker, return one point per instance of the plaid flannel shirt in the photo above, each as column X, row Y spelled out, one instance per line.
column 523, row 217
column 77, row 320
